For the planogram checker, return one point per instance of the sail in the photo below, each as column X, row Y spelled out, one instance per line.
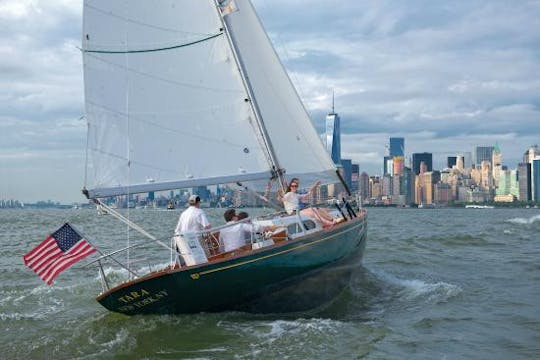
column 173, row 99
column 296, row 143
column 165, row 103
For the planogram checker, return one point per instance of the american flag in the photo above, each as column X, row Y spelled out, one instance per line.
column 57, row 252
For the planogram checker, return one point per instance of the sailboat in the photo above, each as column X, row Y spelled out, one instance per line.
column 191, row 94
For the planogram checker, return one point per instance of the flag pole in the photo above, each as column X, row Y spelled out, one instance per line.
column 77, row 230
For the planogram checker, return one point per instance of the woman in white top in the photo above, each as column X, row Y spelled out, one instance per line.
column 291, row 202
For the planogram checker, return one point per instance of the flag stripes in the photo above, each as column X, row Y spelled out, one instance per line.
column 48, row 259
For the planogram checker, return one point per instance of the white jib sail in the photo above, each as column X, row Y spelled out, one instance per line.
column 296, row 143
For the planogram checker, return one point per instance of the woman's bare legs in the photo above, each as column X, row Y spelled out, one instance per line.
column 324, row 217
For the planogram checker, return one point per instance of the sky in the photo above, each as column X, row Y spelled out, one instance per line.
column 446, row 75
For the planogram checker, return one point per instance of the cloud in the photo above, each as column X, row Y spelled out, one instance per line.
column 446, row 76
column 41, row 97
column 462, row 73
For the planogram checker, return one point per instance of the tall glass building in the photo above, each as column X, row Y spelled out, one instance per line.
column 417, row 158
column 397, row 147
column 535, row 179
column 451, row 161
column 333, row 137
column 484, row 153
column 524, row 181
column 355, row 174
column 347, row 172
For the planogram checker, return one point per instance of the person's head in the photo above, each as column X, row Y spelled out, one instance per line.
column 194, row 200
column 229, row 215
column 242, row 215
column 293, row 185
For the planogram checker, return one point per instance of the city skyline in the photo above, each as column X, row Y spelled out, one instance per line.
column 447, row 78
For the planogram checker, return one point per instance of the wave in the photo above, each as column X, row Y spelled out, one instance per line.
column 410, row 289
column 435, row 292
column 23, row 316
column 430, row 322
column 524, row 221
column 274, row 330
column 18, row 295
column 464, row 239
column 120, row 273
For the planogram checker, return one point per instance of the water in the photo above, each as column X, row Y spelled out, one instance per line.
column 434, row 284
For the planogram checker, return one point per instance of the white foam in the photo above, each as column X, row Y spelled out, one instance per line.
column 414, row 288
column 436, row 292
column 194, row 351
column 121, row 273
column 120, row 338
column 21, row 316
column 524, row 221
column 269, row 332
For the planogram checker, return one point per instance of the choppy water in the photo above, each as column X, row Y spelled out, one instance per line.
column 434, row 284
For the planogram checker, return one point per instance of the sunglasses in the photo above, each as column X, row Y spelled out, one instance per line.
column 294, row 185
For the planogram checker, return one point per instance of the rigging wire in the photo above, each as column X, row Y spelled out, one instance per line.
column 86, row 150
column 128, row 146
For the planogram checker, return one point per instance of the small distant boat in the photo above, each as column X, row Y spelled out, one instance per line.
column 426, row 206
column 170, row 205
column 473, row 206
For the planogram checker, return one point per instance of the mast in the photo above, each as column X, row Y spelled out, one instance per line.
column 267, row 142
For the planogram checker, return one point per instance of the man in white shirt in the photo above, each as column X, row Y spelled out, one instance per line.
column 193, row 219
column 234, row 236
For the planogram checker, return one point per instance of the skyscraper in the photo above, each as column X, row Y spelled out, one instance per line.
column 363, row 186
column 397, row 146
column 347, row 172
column 333, row 135
column 535, row 179
column 460, row 162
column 399, row 163
column 355, row 174
column 451, row 161
column 524, row 181
column 417, row 158
column 531, row 153
column 387, row 165
column 484, row 153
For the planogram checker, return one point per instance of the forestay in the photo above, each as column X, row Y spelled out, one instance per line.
column 167, row 106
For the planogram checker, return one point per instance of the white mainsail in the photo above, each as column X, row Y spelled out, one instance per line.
column 167, row 106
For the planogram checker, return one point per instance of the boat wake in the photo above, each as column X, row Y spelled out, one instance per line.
column 412, row 289
column 435, row 292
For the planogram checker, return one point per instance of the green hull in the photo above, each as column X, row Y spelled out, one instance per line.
column 294, row 276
